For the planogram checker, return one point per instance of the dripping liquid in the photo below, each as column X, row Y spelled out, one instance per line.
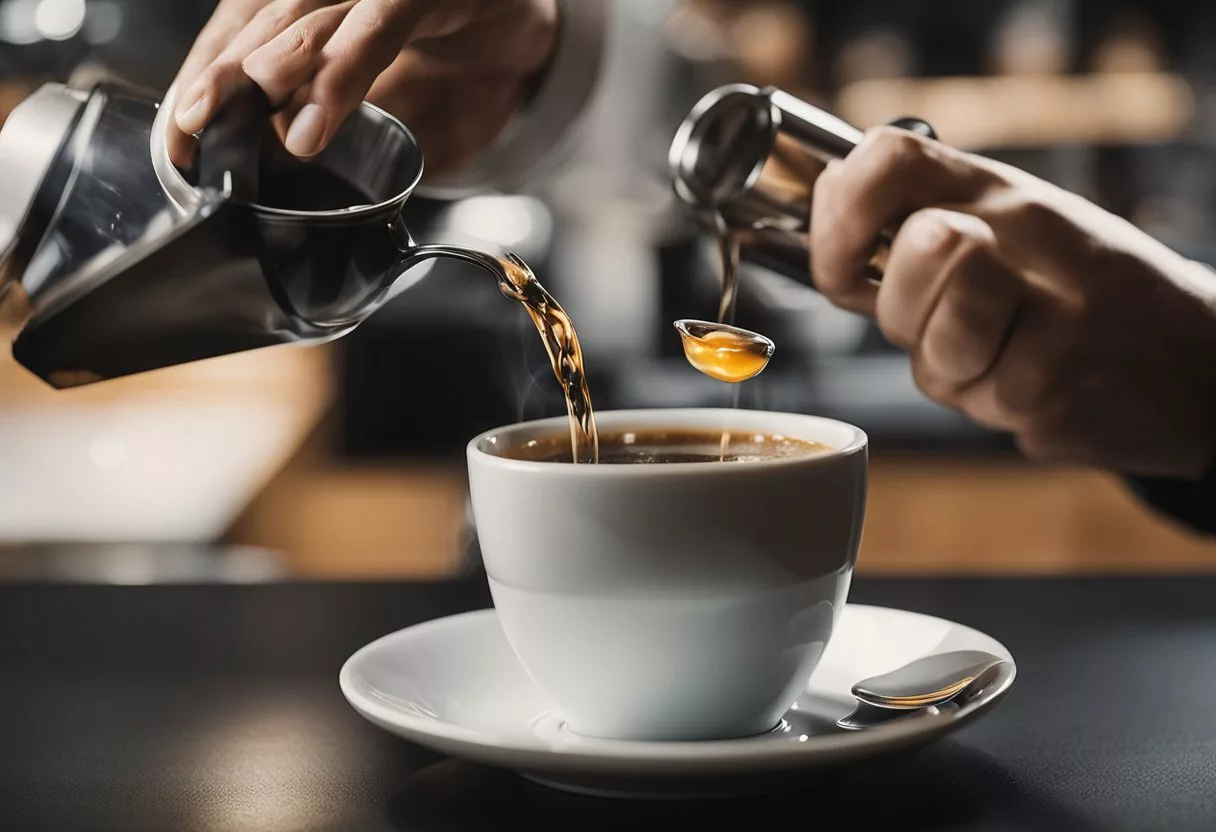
column 290, row 184
column 728, row 252
column 519, row 283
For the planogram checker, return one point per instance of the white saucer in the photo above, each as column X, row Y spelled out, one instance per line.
column 454, row 685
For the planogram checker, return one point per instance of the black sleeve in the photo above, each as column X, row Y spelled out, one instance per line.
column 1191, row 503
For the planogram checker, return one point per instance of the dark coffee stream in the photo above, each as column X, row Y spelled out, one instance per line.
column 519, row 283
column 290, row 184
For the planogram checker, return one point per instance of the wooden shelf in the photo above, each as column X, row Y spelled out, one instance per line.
column 930, row 516
column 926, row 516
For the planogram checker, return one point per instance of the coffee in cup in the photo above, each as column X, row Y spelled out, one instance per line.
column 689, row 598
column 668, row 445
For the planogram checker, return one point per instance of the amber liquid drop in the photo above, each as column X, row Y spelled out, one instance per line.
column 519, row 283
column 731, row 357
column 724, row 355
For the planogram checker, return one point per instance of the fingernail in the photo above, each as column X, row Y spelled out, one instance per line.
column 307, row 131
column 192, row 112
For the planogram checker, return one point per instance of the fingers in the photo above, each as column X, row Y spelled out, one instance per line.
column 891, row 174
column 288, row 61
column 922, row 258
column 216, row 84
column 854, row 290
column 949, row 299
column 228, row 20
column 366, row 42
column 1026, row 392
column 971, row 324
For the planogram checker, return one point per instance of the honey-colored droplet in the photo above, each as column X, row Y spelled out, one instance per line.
column 726, row 353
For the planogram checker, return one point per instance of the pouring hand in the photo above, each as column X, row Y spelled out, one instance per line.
column 1025, row 306
column 455, row 70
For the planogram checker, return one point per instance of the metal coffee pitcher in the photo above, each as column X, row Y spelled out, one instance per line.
column 745, row 161
column 122, row 263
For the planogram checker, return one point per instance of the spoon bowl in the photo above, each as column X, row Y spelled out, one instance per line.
column 927, row 681
column 866, row 715
column 724, row 352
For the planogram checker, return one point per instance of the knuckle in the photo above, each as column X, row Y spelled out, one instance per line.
column 1038, row 218
column 210, row 80
column 300, row 39
column 224, row 72
column 933, row 234
column 332, row 88
column 895, row 149
column 932, row 383
column 1035, row 214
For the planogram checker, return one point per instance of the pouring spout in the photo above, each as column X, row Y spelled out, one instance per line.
column 484, row 260
column 506, row 267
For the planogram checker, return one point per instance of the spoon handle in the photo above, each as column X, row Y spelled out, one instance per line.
column 865, row 715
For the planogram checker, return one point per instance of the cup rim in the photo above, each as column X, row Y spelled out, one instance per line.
column 366, row 109
column 475, row 452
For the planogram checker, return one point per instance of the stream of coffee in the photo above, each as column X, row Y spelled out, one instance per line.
column 728, row 252
column 518, row 282
column 289, row 183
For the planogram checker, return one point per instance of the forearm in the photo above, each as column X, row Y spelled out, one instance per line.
column 533, row 143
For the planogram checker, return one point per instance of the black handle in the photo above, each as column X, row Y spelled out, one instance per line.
column 232, row 145
column 915, row 125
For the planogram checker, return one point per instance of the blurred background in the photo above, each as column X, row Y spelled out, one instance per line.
column 346, row 461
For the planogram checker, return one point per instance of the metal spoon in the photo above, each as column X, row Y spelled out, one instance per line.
column 926, row 681
column 865, row 715
column 724, row 352
column 868, row 716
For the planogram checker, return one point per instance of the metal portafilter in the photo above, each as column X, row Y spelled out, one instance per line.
column 745, row 161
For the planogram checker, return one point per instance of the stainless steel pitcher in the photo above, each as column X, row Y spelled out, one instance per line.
column 746, row 159
column 123, row 263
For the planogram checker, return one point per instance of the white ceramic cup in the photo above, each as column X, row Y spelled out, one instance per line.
column 674, row 601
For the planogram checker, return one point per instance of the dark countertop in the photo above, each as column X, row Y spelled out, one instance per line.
column 216, row 707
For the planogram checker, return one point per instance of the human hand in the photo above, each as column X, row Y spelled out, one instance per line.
column 455, row 71
column 1025, row 306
